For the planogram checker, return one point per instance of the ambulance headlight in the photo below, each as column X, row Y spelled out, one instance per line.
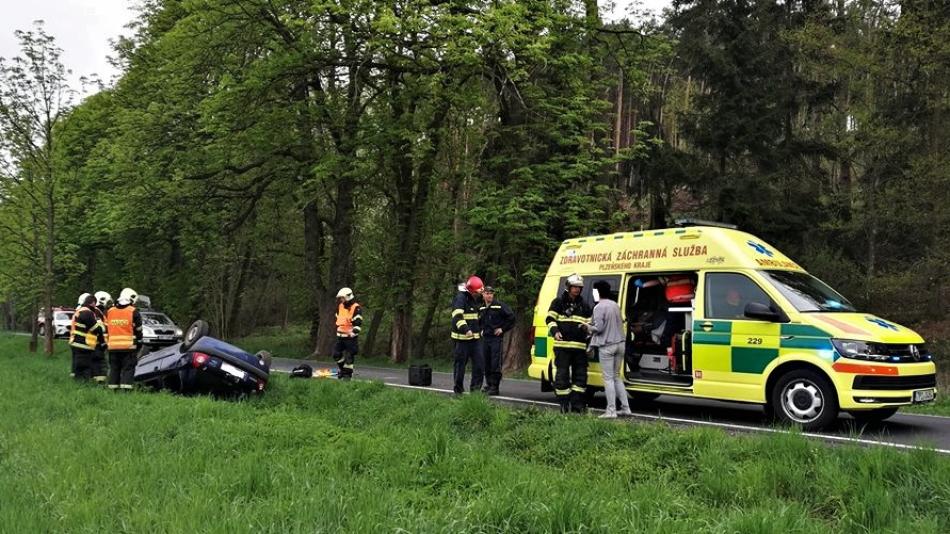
column 861, row 350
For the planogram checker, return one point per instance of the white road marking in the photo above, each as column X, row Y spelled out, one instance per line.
column 697, row 422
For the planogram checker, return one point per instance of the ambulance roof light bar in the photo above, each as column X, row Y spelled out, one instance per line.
column 681, row 223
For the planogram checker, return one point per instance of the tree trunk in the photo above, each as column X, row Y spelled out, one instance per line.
column 34, row 327
column 430, row 316
column 375, row 320
column 313, row 256
column 237, row 294
column 517, row 345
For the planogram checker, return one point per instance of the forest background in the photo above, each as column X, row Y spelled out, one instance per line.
column 255, row 156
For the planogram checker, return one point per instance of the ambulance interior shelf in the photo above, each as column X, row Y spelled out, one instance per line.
column 659, row 321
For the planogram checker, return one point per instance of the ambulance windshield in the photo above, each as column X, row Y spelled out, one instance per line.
column 807, row 293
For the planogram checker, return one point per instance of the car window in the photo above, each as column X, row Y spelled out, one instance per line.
column 62, row 316
column 588, row 292
column 727, row 295
column 807, row 293
column 154, row 319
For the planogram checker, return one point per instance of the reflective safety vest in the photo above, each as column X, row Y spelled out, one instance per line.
column 344, row 318
column 121, row 325
column 80, row 335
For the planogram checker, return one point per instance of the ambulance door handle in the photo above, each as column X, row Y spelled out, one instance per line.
column 788, row 337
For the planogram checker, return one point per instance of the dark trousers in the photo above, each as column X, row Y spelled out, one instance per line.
column 570, row 378
column 344, row 352
column 99, row 365
column 488, row 364
column 82, row 364
column 122, row 368
column 464, row 351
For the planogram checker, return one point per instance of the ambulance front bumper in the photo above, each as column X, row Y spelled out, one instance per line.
column 880, row 391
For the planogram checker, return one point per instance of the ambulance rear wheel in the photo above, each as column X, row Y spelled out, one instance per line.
column 873, row 416
column 804, row 398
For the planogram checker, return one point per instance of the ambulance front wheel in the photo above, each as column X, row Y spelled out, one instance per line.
column 804, row 398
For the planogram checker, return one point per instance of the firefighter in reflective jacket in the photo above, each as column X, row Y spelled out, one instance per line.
column 103, row 303
column 568, row 319
column 466, row 331
column 349, row 322
column 125, row 339
column 86, row 336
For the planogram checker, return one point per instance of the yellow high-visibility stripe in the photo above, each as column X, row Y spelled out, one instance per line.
column 460, row 323
column 570, row 344
column 117, row 342
column 458, row 311
column 466, row 337
column 470, row 316
column 574, row 319
column 562, row 392
column 578, row 389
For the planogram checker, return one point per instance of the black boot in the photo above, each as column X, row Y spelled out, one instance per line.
column 565, row 403
column 578, row 402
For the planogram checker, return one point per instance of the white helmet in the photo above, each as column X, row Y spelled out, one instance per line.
column 345, row 293
column 82, row 299
column 103, row 299
column 575, row 280
column 128, row 296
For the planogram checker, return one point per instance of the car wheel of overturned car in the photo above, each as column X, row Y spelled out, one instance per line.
column 804, row 398
column 41, row 331
column 873, row 416
column 196, row 331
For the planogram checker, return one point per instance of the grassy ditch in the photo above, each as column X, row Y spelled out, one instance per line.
column 325, row 456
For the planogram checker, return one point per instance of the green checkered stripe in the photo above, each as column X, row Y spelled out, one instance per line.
column 754, row 360
column 541, row 347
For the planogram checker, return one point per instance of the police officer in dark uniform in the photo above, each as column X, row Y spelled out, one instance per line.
column 568, row 321
column 495, row 318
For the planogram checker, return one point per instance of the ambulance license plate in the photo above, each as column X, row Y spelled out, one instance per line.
column 924, row 395
column 234, row 371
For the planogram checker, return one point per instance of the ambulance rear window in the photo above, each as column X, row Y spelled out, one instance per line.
column 807, row 293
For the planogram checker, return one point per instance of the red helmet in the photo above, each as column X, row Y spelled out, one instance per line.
column 474, row 284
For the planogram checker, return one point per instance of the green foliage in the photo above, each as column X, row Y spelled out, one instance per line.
column 256, row 155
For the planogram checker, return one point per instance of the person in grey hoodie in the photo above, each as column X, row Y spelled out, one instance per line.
column 607, row 336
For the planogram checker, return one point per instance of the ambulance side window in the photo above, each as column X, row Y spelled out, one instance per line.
column 727, row 295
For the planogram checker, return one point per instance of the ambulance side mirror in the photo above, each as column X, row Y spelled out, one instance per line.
column 761, row 312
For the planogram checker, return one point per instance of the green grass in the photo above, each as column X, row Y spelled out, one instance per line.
column 294, row 342
column 327, row 456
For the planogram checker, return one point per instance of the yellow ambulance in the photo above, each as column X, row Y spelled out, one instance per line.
column 712, row 312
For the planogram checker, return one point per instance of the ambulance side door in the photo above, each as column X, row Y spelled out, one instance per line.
column 731, row 351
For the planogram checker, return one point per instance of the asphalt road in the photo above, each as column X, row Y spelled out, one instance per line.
column 900, row 431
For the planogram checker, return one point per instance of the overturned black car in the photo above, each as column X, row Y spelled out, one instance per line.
column 203, row 364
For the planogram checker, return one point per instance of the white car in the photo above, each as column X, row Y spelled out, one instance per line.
column 62, row 321
column 158, row 330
